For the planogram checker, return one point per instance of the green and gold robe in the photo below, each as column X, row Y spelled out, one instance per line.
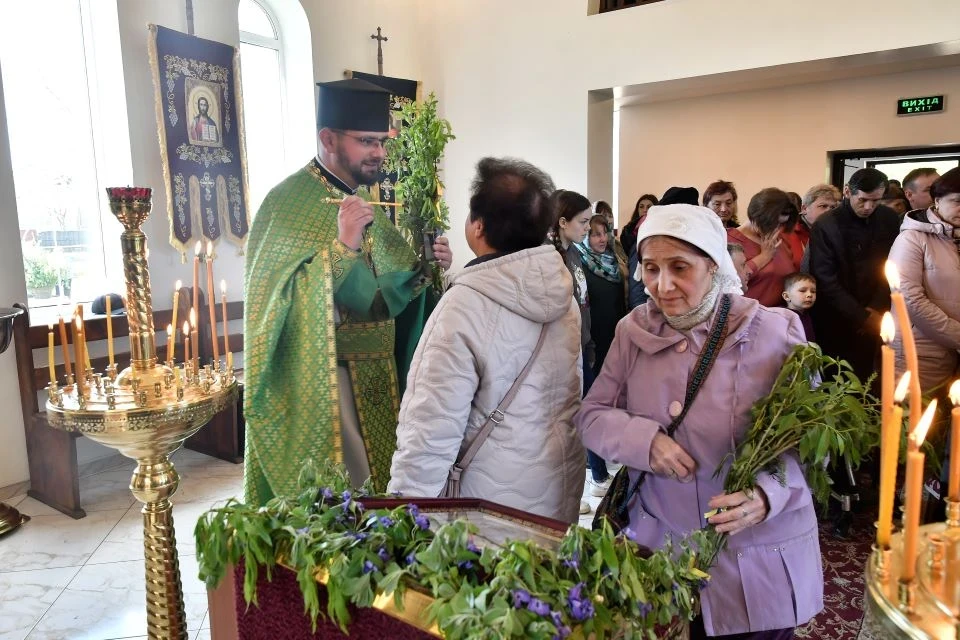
column 311, row 303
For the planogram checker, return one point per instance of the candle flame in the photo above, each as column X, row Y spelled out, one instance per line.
column 198, row 248
column 186, row 328
column 902, row 388
column 893, row 276
column 178, row 285
column 955, row 393
column 887, row 328
column 50, row 327
column 210, row 249
column 79, row 321
column 170, row 329
column 193, row 317
column 924, row 425
column 223, row 287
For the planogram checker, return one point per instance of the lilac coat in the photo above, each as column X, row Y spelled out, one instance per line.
column 770, row 575
column 929, row 265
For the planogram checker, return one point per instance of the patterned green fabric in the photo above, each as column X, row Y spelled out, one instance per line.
column 296, row 271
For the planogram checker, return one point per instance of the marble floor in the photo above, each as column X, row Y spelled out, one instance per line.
column 66, row 579
column 69, row 579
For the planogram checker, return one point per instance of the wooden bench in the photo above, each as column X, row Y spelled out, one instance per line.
column 51, row 453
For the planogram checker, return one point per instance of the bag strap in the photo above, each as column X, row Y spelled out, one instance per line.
column 497, row 415
column 708, row 355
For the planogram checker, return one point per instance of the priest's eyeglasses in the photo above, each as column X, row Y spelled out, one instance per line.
column 367, row 142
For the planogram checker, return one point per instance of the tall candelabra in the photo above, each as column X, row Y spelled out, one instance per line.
column 146, row 412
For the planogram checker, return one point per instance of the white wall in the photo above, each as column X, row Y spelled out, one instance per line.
column 13, row 453
column 776, row 137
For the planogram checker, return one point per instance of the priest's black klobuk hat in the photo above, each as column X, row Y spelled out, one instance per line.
column 353, row 104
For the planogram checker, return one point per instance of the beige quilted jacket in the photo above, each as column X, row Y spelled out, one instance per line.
column 476, row 342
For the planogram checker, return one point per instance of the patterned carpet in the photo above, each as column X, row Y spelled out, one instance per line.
column 843, row 563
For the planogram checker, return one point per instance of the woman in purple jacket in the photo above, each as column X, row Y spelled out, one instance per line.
column 768, row 580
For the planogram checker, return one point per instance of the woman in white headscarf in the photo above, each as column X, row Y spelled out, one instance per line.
column 768, row 580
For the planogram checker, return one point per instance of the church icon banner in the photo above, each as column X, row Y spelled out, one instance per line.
column 199, row 109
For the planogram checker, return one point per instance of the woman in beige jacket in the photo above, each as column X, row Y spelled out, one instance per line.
column 479, row 338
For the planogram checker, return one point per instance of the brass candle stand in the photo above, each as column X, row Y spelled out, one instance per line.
column 928, row 606
column 146, row 412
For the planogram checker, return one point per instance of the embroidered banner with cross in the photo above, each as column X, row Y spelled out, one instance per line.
column 199, row 109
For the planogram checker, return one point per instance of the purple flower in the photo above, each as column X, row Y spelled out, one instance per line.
column 580, row 607
column 358, row 536
column 383, row 555
column 702, row 584
column 413, row 510
column 346, row 495
column 473, row 548
column 422, row 521
column 630, row 534
column 387, row 521
column 644, row 609
column 557, row 619
column 302, row 531
column 412, row 558
column 573, row 562
column 520, row 598
column 368, row 566
column 327, row 494
column 539, row 607
column 467, row 564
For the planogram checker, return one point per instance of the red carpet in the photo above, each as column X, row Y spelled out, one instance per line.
column 843, row 564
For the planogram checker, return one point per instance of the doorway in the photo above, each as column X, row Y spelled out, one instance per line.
column 895, row 163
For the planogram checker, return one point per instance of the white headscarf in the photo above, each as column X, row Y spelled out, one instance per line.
column 698, row 226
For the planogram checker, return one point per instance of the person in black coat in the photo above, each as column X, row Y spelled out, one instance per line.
column 847, row 251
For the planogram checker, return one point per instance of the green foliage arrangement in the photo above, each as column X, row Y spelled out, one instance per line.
column 415, row 154
column 40, row 270
column 597, row 584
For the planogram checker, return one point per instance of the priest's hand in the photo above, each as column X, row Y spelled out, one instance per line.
column 442, row 254
column 354, row 216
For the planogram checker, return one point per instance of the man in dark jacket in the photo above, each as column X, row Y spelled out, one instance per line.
column 847, row 251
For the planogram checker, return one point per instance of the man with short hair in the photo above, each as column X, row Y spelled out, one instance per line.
column 326, row 276
column 847, row 251
column 916, row 186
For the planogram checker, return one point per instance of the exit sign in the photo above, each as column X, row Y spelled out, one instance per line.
column 924, row 104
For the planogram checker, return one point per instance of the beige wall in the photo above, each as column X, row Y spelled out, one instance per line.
column 512, row 77
column 776, row 137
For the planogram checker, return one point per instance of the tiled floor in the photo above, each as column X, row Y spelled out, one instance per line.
column 69, row 579
column 83, row 579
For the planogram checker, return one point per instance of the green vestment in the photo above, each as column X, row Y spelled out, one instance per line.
column 312, row 302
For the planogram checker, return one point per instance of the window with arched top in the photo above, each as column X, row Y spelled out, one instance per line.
column 264, row 108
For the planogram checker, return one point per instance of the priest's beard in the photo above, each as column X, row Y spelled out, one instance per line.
column 363, row 171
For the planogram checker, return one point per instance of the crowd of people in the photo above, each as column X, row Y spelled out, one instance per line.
column 563, row 345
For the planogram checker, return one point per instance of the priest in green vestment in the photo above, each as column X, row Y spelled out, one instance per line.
column 326, row 275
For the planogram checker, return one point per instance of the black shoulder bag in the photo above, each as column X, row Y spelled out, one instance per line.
column 614, row 506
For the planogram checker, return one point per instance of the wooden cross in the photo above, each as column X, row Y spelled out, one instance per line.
column 380, row 40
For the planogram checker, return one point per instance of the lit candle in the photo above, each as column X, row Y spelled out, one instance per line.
column 109, row 331
column 914, row 494
column 186, row 341
column 226, row 328
column 176, row 305
column 889, row 453
column 906, row 337
column 196, row 289
column 51, row 363
column 66, row 349
column 171, row 344
column 954, row 487
column 193, row 335
column 212, row 304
